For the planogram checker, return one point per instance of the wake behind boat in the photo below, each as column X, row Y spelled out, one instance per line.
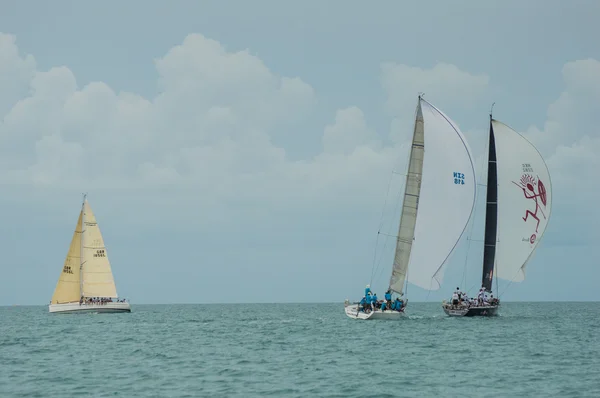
column 439, row 197
column 86, row 283
column 519, row 193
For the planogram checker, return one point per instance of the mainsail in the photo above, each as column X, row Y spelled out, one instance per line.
column 97, row 275
column 524, row 197
column 68, row 286
column 438, row 200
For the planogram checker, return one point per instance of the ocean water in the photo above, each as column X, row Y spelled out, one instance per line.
column 300, row 350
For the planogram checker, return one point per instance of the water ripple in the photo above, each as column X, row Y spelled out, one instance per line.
column 300, row 350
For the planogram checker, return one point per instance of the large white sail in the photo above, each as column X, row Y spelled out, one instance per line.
column 68, row 289
column 441, row 188
column 524, row 201
column 408, row 217
column 97, row 275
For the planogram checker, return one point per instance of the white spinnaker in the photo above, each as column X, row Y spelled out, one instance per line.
column 524, row 196
column 447, row 198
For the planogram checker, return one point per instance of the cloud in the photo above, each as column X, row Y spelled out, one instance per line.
column 570, row 142
column 211, row 127
column 214, row 117
column 573, row 115
column 443, row 83
column 203, row 149
column 16, row 73
column 348, row 132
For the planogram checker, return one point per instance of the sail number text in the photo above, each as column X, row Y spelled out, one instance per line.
column 527, row 168
column 67, row 269
column 459, row 178
column 100, row 253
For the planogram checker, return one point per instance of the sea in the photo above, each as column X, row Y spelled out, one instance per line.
column 300, row 350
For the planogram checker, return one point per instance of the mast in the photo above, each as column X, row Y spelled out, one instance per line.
column 82, row 246
column 491, row 214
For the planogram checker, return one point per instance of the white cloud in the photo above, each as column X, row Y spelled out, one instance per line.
column 570, row 141
column 211, row 129
column 349, row 132
column 16, row 72
column 573, row 115
column 205, row 144
column 444, row 83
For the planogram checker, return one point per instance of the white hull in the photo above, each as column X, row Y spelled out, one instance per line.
column 352, row 312
column 93, row 308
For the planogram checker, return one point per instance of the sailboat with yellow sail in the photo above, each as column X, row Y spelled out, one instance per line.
column 86, row 283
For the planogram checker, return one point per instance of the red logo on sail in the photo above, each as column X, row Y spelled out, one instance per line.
column 534, row 189
column 532, row 239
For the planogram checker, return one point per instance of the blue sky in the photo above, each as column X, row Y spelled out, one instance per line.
column 241, row 151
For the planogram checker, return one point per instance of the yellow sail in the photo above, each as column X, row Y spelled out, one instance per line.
column 67, row 288
column 98, row 279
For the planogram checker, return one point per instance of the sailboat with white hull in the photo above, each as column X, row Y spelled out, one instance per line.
column 86, row 283
column 518, row 207
column 439, row 198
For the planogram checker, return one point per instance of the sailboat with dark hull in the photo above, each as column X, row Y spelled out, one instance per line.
column 516, row 184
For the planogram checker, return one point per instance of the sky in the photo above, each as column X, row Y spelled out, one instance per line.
column 241, row 151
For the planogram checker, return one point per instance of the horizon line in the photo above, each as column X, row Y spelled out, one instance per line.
column 311, row 302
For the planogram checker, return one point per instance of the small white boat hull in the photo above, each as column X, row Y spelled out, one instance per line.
column 353, row 312
column 93, row 308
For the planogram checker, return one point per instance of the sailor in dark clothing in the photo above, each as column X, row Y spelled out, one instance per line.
column 375, row 303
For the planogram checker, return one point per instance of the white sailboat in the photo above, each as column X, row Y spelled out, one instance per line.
column 86, row 283
column 439, row 198
column 518, row 207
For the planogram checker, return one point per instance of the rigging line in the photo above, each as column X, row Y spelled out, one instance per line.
column 406, row 282
column 494, row 273
column 376, row 268
column 406, row 167
column 429, row 290
column 380, row 225
column 481, row 172
column 509, row 283
column 395, row 217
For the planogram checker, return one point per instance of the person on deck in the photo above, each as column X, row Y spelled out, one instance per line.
column 398, row 304
column 375, row 303
column 367, row 290
column 455, row 298
column 388, row 295
column 384, row 305
column 363, row 304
